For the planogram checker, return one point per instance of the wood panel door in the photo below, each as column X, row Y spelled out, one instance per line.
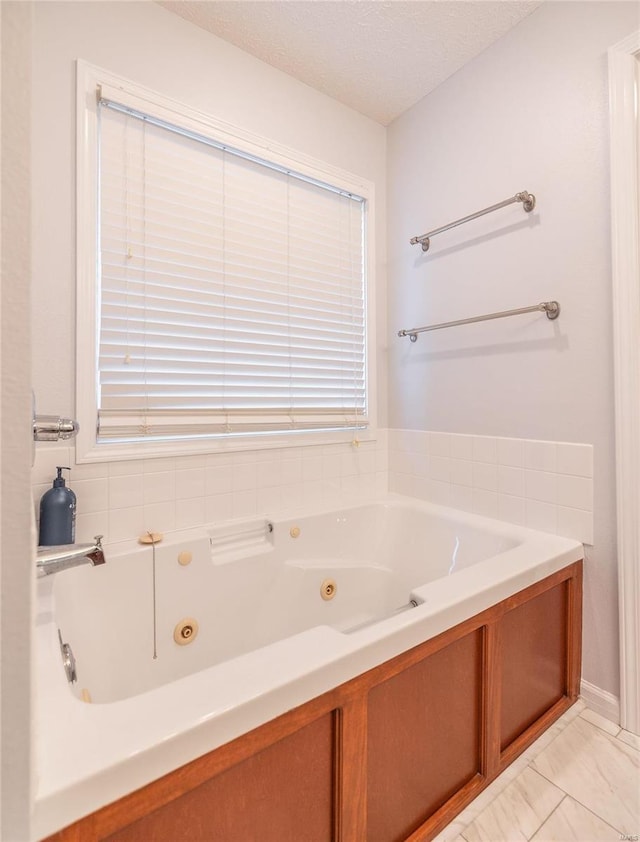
column 533, row 659
column 423, row 738
column 284, row 793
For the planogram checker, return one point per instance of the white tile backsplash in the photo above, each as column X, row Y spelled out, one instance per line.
column 125, row 491
column 461, row 447
column 576, row 492
column 461, row 472
column 544, row 485
column 510, row 452
column 511, row 481
column 485, row 502
column 512, row 509
column 575, row 459
column 439, row 468
column 119, row 524
column 217, row 507
column 190, row 483
column 485, row 449
column 190, row 512
column 540, row 455
column 461, row 497
column 541, row 484
column 485, row 476
column 439, row 444
column 122, row 500
column 159, row 487
column 219, row 479
column 94, row 493
column 573, row 522
column 159, row 517
column 541, row 516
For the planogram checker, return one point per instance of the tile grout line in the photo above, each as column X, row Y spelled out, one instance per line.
column 577, row 801
column 593, row 813
column 544, row 821
column 595, row 724
column 624, row 742
column 528, row 765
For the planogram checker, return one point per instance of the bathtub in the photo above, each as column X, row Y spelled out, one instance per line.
column 184, row 645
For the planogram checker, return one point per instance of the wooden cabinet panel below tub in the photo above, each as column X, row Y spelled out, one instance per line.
column 269, row 796
column 423, row 738
column 533, row 664
column 393, row 754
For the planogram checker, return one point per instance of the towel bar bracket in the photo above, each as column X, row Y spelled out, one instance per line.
column 552, row 309
column 528, row 200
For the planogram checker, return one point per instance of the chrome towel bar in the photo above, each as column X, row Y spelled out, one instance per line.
column 528, row 203
column 551, row 308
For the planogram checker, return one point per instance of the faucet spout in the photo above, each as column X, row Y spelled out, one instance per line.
column 64, row 556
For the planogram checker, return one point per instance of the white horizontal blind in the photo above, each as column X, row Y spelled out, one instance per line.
column 232, row 292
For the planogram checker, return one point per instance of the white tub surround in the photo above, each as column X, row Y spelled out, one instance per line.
column 123, row 499
column 544, row 485
column 91, row 754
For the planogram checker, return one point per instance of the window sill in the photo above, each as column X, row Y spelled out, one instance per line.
column 87, row 453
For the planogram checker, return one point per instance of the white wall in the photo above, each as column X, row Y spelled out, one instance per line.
column 16, row 540
column 531, row 112
column 151, row 46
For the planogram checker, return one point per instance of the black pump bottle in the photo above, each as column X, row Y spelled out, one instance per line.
column 57, row 514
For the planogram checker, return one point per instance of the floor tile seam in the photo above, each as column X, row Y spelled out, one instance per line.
column 595, row 724
column 626, row 748
column 563, row 727
column 547, row 778
column 498, row 792
column 537, row 755
column 578, row 799
column 625, row 743
column 597, row 815
column 559, row 725
column 617, row 744
column 553, row 783
column 580, row 802
column 546, row 819
column 501, row 792
column 552, row 811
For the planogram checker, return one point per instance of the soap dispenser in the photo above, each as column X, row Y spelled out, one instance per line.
column 57, row 514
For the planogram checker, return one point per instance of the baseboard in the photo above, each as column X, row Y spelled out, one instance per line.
column 606, row 704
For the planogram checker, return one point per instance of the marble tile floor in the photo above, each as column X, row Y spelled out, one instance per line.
column 579, row 782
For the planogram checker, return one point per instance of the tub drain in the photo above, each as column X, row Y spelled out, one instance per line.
column 328, row 589
column 186, row 631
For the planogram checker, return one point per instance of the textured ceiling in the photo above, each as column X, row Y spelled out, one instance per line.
column 375, row 56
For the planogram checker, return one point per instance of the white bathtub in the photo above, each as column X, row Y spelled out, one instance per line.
column 267, row 641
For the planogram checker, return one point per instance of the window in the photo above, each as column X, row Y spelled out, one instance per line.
column 227, row 282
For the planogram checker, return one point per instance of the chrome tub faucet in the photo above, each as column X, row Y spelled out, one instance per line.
column 62, row 557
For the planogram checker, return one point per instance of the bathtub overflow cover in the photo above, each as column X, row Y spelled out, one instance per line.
column 328, row 589
column 185, row 631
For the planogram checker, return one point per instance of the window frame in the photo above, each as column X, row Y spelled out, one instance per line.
column 88, row 449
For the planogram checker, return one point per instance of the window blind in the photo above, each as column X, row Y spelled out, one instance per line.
column 232, row 290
